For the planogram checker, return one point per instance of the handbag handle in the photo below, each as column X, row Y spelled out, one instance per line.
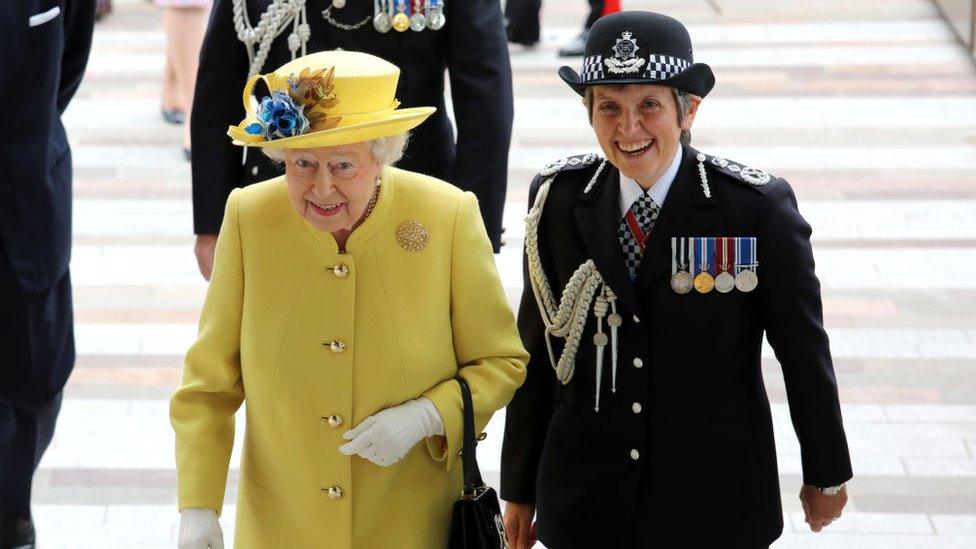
column 469, row 458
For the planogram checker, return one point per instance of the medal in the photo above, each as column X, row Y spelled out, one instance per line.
column 704, row 282
column 435, row 14
column 746, row 278
column 400, row 21
column 681, row 280
column 418, row 21
column 338, row 4
column 724, row 282
column 381, row 20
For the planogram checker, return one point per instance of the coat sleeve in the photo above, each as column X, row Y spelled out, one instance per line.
column 489, row 354
column 217, row 164
column 202, row 409
column 481, row 90
column 79, row 24
column 528, row 415
column 792, row 313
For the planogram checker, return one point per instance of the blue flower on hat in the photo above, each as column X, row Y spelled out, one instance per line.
column 279, row 116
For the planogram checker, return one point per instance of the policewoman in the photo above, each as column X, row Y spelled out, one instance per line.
column 651, row 276
column 347, row 295
column 424, row 38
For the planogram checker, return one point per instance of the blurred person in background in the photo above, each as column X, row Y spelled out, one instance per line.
column 421, row 37
column 44, row 48
column 184, row 24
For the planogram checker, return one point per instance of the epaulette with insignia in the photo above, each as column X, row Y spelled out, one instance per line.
column 746, row 174
column 569, row 163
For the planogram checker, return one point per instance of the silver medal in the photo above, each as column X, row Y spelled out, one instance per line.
column 382, row 22
column 724, row 282
column 682, row 282
column 418, row 22
column 435, row 18
column 746, row 281
column 338, row 4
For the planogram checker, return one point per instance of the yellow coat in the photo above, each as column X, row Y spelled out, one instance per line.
column 410, row 322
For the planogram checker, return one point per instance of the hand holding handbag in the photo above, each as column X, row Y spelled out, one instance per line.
column 476, row 521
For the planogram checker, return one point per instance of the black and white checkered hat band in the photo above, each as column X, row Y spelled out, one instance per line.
column 592, row 68
column 661, row 67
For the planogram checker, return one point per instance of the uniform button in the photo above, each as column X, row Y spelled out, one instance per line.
column 337, row 346
column 636, row 408
column 340, row 270
column 334, row 420
column 636, row 319
column 638, row 363
column 634, row 454
column 335, row 492
column 254, row 170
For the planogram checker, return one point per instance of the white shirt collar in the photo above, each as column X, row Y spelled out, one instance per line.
column 630, row 190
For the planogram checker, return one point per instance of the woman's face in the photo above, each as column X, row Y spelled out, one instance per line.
column 331, row 186
column 637, row 127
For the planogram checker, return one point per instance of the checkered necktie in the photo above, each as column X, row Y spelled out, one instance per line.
column 635, row 228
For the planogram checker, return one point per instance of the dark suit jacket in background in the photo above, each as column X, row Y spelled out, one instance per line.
column 706, row 474
column 40, row 70
column 471, row 47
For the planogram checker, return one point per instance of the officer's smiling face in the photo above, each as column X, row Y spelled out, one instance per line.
column 330, row 187
column 637, row 127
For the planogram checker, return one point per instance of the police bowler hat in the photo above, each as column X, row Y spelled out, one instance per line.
column 640, row 47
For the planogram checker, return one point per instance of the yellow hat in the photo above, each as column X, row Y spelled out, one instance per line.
column 326, row 99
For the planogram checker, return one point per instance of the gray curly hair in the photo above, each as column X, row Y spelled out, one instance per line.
column 386, row 150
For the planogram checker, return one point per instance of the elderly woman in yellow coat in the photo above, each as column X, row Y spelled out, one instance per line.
column 346, row 297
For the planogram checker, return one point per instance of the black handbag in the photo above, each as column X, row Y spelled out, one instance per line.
column 476, row 519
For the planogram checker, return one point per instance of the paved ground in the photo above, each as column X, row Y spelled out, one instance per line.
column 868, row 108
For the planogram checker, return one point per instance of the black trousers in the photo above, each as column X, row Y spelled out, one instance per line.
column 522, row 18
column 37, row 354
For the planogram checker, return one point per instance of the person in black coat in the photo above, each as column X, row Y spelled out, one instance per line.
column 470, row 46
column 44, row 47
column 650, row 280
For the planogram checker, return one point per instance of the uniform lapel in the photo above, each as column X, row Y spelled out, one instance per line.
column 686, row 212
column 597, row 220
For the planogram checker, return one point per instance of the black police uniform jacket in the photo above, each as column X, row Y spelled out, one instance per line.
column 695, row 463
column 471, row 46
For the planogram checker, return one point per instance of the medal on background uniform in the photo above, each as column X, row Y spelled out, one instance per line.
column 382, row 20
column 704, row 282
column 681, row 260
column 418, row 21
column 401, row 21
column 746, row 278
column 435, row 14
column 724, row 248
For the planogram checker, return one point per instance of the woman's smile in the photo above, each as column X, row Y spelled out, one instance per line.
column 327, row 210
column 634, row 148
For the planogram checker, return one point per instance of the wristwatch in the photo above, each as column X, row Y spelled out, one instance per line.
column 830, row 490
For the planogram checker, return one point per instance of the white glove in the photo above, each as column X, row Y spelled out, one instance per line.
column 386, row 436
column 199, row 529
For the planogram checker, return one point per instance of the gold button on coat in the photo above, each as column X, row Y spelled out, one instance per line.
column 334, row 420
column 638, row 363
column 338, row 346
column 340, row 270
column 335, row 492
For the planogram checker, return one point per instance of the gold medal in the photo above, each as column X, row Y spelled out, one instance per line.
column 704, row 283
column 401, row 22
